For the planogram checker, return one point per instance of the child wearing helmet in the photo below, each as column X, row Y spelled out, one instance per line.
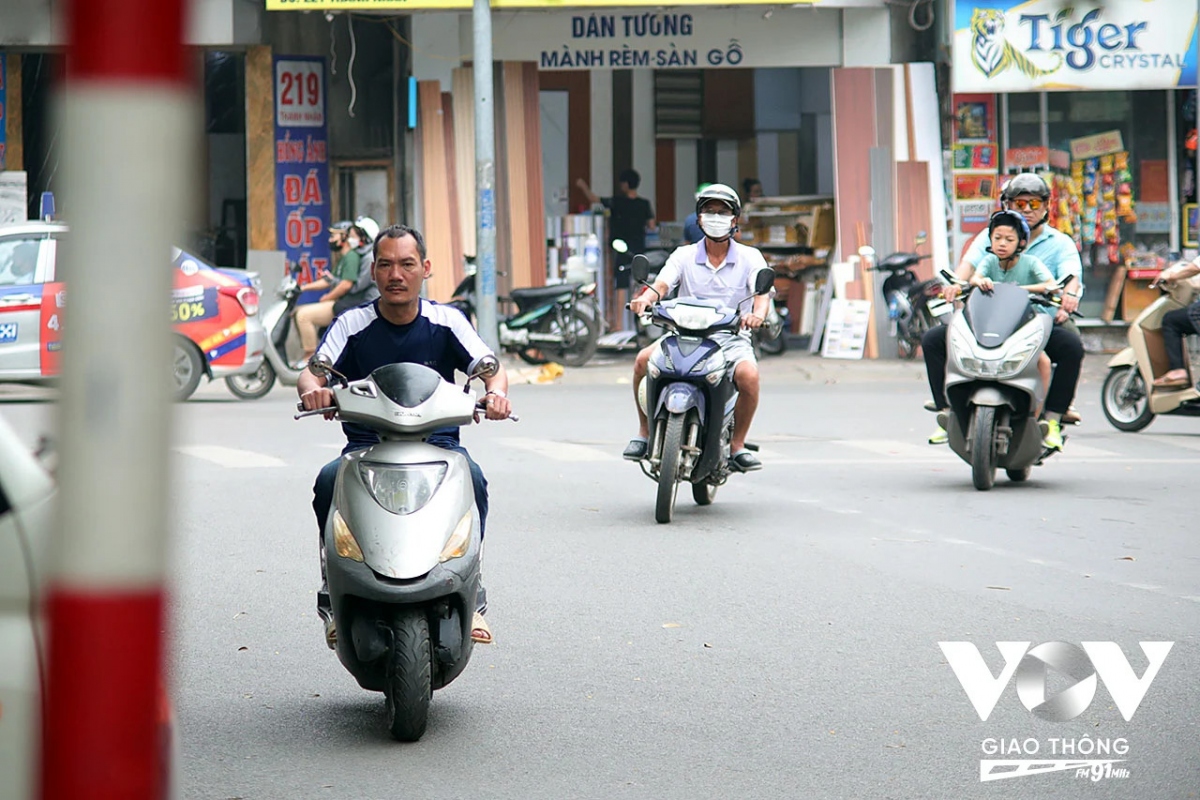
column 1006, row 262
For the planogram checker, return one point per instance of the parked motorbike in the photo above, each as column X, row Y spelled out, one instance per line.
column 277, row 319
column 992, row 382
column 689, row 396
column 914, row 306
column 559, row 322
column 402, row 547
column 1129, row 398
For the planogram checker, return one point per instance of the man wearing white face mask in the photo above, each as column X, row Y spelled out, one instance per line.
column 715, row 268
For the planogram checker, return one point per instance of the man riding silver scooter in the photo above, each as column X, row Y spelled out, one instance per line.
column 403, row 511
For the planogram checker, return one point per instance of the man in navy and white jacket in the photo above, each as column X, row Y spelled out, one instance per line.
column 400, row 327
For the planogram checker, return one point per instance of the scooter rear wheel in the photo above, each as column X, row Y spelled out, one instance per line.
column 704, row 493
column 255, row 385
column 983, row 448
column 668, row 470
column 409, row 684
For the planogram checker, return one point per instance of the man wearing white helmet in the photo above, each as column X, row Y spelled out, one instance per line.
column 1028, row 195
column 715, row 268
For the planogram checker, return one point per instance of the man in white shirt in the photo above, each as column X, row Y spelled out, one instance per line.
column 715, row 268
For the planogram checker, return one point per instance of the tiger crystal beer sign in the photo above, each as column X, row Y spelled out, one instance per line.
column 1049, row 45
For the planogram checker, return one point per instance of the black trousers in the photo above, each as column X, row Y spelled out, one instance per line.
column 1176, row 325
column 1064, row 348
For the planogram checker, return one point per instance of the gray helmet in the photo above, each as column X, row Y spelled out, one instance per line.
column 1025, row 183
column 719, row 191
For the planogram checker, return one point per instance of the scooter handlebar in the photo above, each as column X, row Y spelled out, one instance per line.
column 482, row 406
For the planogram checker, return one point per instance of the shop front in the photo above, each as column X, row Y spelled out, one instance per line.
column 1100, row 100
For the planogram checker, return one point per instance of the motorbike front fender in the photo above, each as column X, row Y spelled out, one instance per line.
column 1125, row 358
column 990, row 396
column 677, row 398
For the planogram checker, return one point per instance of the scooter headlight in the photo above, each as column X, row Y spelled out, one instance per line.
column 343, row 540
column 459, row 541
column 402, row 489
column 712, row 368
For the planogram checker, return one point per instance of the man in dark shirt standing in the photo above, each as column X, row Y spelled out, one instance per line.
column 630, row 217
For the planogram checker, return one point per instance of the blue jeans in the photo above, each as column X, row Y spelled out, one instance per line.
column 327, row 477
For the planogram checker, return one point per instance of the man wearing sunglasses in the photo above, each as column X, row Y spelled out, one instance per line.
column 1029, row 196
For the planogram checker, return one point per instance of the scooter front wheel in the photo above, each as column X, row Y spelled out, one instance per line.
column 983, row 448
column 668, row 470
column 409, row 684
column 1125, row 401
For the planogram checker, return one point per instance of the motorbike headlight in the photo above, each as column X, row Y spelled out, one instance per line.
column 712, row 368
column 459, row 541
column 402, row 489
column 343, row 540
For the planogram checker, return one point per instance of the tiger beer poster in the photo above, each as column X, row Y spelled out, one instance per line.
column 1048, row 45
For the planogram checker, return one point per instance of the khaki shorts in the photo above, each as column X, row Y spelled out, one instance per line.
column 737, row 348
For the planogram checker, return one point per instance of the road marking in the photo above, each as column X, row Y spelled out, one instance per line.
column 889, row 447
column 230, row 457
column 559, row 451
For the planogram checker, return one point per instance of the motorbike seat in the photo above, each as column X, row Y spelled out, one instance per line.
column 534, row 295
column 898, row 261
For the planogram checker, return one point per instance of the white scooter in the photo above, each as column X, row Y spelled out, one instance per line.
column 402, row 546
column 277, row 320
column 992, row 382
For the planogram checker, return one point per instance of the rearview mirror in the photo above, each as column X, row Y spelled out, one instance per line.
column 764, row 281
column 486, row 367
column 640, row 268
column 620, row 246
column 320, row 365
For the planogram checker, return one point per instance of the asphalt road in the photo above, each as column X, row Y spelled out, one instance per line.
column 782, row 643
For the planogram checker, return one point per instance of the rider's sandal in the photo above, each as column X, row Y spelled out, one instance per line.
column 636, row 449
column 480, row 632
column 745, row 461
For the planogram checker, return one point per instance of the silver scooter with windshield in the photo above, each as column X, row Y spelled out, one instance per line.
column 402, row 545
column 689, row 395
column 992, row 382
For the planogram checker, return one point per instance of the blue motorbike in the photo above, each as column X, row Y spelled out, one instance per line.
column 689, row 395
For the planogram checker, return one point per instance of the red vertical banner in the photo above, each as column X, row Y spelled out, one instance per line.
column 54, row 298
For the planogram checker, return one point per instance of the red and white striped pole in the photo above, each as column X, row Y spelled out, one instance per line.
column 127, row 117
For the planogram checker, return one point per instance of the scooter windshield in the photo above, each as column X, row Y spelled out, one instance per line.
column 995, row 316
column 406, row 385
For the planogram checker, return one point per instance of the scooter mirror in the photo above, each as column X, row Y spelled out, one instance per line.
column 640, row 268
column 486, row 367
column 620, row 246
column 320, row 365
column 764, row 281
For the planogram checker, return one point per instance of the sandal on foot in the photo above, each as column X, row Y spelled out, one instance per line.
column 1170, row 383
column 480, row 632
column 636, row 449
column 745, row 461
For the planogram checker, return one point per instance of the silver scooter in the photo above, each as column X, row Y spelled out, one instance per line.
column 277, row 319
column 402, row 545
column 992, row 382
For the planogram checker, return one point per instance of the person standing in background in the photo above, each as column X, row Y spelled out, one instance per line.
column 630, row 217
